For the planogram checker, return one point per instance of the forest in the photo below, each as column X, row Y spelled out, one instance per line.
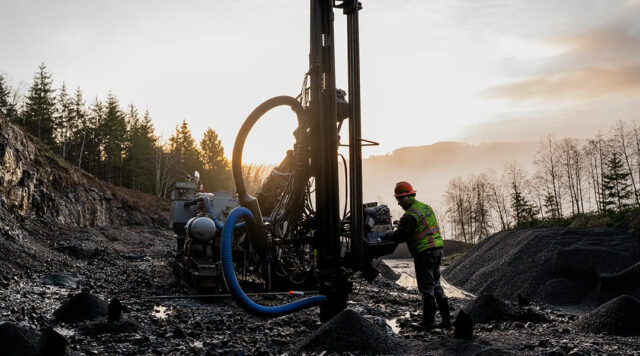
column 117, row 143
column 575, row 182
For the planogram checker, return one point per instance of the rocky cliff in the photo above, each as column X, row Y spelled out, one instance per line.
column 41, row 196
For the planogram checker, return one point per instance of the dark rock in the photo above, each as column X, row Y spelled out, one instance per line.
column 52, row 343
column 522, row 301
column 80, row 307
column 618, row 317
column 114, row 310
column 463, row 326
column 16, row 340
column 487, row 307
column 362, row 337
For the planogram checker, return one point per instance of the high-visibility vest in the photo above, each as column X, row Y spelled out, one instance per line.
column 427, row 233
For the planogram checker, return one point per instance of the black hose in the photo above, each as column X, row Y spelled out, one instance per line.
column 256, row 229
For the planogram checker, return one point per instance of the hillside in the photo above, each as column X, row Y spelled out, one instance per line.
column 44, row 199
column 430, row 168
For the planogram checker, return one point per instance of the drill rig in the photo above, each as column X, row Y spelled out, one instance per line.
column 300, row 199
column 294, row 234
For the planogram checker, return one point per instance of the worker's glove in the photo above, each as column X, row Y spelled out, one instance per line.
column 375, row 236
column 386, row 236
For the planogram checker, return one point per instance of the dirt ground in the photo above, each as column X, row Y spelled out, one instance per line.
column 133, row 264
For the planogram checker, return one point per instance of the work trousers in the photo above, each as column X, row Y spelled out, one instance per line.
column 427, row 264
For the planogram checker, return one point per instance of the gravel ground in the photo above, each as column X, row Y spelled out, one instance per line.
column 133, row 264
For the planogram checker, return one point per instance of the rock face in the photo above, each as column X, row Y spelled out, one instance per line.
column 557, row 266
column 36, row 183
column 41, row 194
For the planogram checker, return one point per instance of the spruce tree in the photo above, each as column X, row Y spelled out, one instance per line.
column 40, row 106
column 140, row 151
column 81, row 133
column 217, row 173
column 94, row 150
column 113, row 131
column 184, row 151
column 616, row 188
column 7, row 108
column 523, row 211
column 64, row 125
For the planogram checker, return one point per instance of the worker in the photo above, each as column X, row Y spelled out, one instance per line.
column 418, row 228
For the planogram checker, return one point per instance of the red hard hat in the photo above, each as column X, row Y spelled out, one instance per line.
column 403, row 189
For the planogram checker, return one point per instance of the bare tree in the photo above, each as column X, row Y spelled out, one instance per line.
column 548, row 171
column 456, row 202
column 572, row 172
column 499, row 200
column 480, row 192
column 165, row 174
column 254, row 175
column 595, row 152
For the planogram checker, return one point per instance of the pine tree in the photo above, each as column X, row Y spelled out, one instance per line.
column 7, row 108
column 550, row 206
column 523, row 210
column 81, row 120
column 217, row 173
column 40, row 106
column 182, row 146
column 64, row 124
column 113, row 131
column 616, row 189
column 140, row 151
column 94, row 146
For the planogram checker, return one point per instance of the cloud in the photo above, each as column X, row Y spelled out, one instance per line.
column 599, row 62
column 578, row 121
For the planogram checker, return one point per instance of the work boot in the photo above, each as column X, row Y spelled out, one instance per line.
column 428, row 312
column 445, row 312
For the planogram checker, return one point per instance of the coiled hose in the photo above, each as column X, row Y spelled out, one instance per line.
column 232, row 283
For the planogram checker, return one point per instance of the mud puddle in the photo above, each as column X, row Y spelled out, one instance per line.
column 408, row 279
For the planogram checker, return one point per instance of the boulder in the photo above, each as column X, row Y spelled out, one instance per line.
column 81, row 307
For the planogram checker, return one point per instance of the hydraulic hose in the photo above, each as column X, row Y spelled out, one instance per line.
column 232, row 283
column 255, row 231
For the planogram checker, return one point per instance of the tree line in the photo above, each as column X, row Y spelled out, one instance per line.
column 114, row 143
column 572, row 177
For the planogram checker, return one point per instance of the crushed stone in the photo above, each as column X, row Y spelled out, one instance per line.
column 556, row 266
column 363, row 337
column 619, row 316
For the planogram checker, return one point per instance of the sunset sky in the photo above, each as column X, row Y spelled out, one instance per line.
column 473, row 71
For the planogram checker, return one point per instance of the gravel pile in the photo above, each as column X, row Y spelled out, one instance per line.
column 80, row 307
column 349, row 332
column 619, row 316
column 487, row 308
column 557, row 266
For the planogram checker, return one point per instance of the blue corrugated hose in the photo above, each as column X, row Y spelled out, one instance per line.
column 232, row 283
